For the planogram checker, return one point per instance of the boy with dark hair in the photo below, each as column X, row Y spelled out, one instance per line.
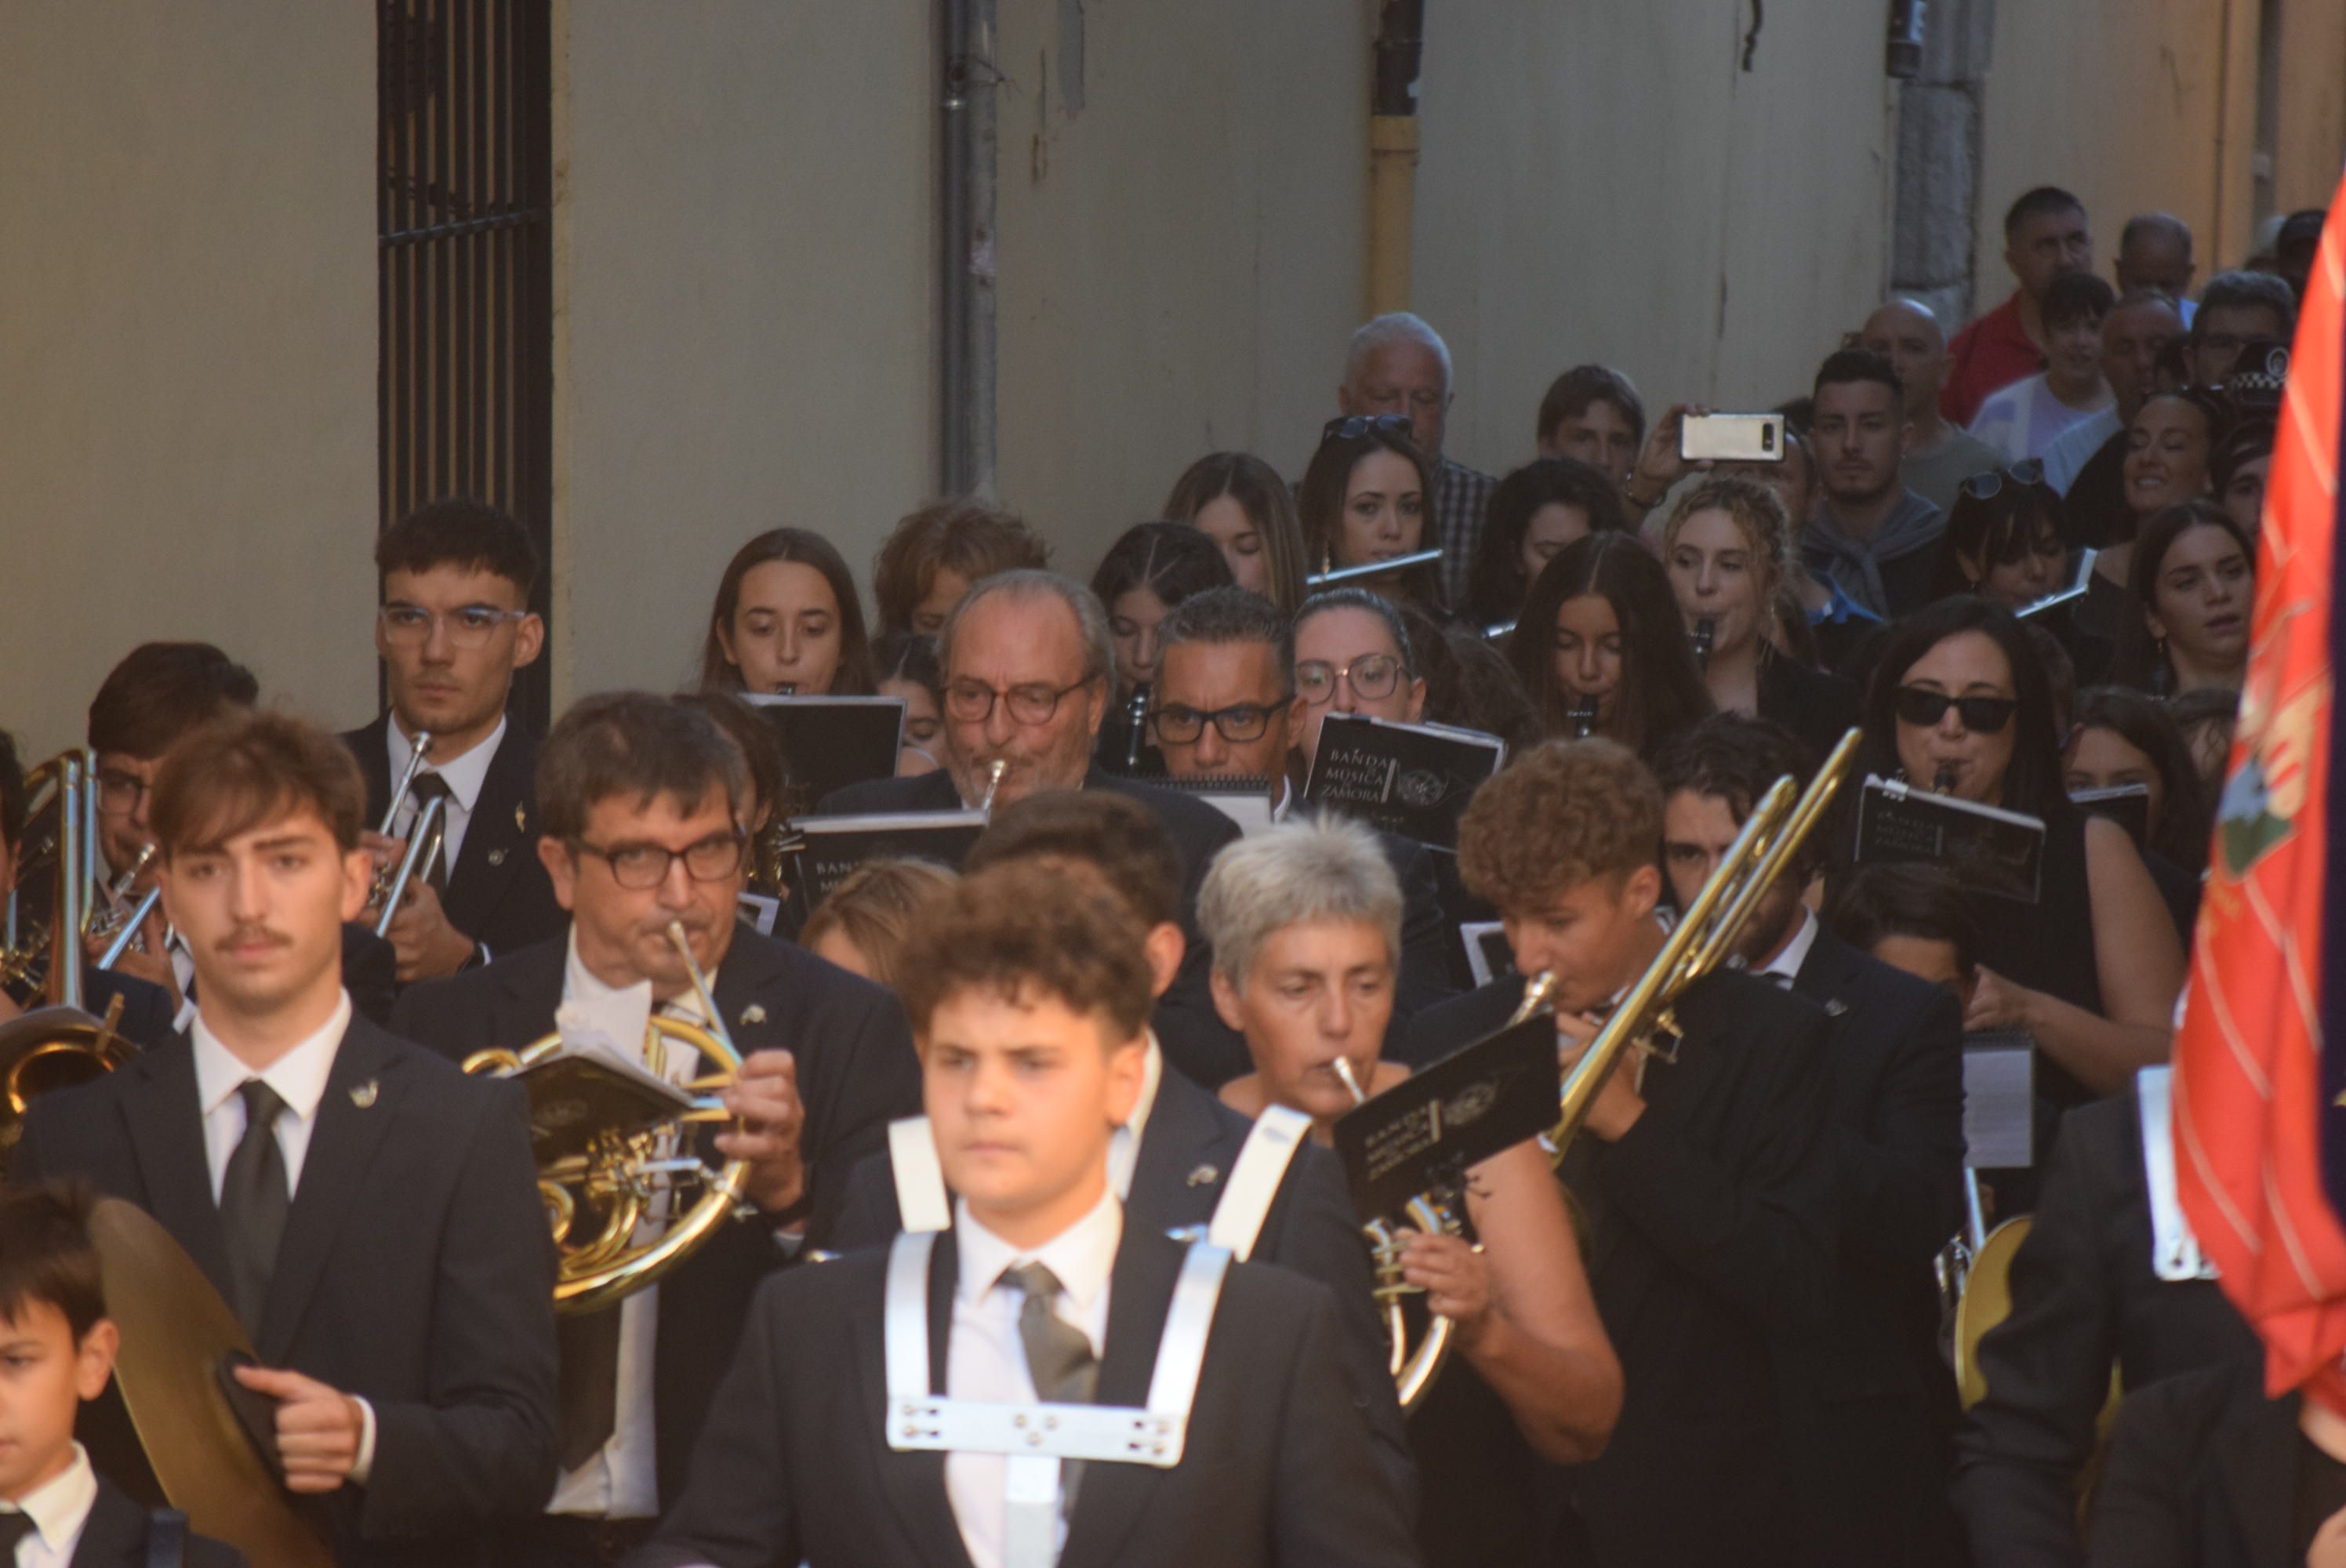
column 453, row 626
column 956, row 1410
column 2045, row 235
column 1593, row 413
column 2023, row 420
column 1875, row 539
column 59, row 1346
column 1703, row 1166
column 370, row 1213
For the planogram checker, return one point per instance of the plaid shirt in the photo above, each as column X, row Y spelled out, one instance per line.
column 1461, row 497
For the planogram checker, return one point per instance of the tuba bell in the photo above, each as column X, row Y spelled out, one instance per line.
column 597, row 1200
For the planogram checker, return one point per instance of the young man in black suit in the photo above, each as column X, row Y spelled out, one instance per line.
column 1026, row 659
column 454, row 627
column 371, row 1213
column 643, row 801
column 1172, row 1162
column 1029, row 996
column 58, row 1347
column 1703, row 1167
column 1868, row 1404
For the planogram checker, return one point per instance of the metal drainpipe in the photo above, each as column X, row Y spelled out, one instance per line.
column 965, row 218
column 1392, row 153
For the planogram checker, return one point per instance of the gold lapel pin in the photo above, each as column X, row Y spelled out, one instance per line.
column 364, row 1094
column 1204, row 1175
column 521, row 819
column 754, row 1013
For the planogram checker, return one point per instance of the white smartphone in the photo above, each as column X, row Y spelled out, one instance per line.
column 1732, row 438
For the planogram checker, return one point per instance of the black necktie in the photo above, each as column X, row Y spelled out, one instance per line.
column 428, row 787
column 14, row 1526
column 254, row 1197
column 1058, row 1357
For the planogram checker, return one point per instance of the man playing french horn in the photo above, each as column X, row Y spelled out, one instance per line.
column 642, row 802
column 1702, row 1171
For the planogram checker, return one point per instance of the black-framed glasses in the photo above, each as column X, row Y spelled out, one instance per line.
column 1987, row 486
column 1353, row 426
column 1370, row 676
column 120, row 792
column 1179, row 724
column 971, row 702
column 642, row 867
column 470, row 626
column 1923, row 707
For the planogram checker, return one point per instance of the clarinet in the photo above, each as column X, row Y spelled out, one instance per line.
column 1943, row 781
column 1706, row 632
column 1136, row 715
column 1582, row 718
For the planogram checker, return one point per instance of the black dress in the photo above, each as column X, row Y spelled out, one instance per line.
column 2048, row 945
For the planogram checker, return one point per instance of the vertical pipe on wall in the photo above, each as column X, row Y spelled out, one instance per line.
column 966, row 222
column 1392, row 153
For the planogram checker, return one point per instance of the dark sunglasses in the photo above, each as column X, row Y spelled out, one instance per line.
column 1353, row 426
column 1989, row 485
column 1923, row 708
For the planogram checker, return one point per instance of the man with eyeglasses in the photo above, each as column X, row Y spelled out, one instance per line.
column 643, row 803
column 1225, row 704
column 454, row 627
column 1397, row 363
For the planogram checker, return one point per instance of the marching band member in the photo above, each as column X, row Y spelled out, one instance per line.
column 454, row 627
column 787, row 620
column 1701, row 1165
column 371, row 1213
column 641, row 803
column 1175, row 1162
column 951, row 1411
column 1305, row 920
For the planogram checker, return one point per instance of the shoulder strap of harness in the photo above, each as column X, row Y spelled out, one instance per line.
column 1254, row 1181
column 921, row 1198
column 2174, row 1251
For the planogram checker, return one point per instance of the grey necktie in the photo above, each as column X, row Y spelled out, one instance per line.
column 254, row 1197
column 1058, row 1357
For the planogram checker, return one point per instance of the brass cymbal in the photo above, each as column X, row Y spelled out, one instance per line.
column 175, row 1332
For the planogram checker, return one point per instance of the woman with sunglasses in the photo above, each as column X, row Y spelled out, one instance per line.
column 1724, row 546
column 1354, row 655
column 2003, row 539
column 1602, row 648
column 1960, row 703
column 2193, row 583
column 1366, row 498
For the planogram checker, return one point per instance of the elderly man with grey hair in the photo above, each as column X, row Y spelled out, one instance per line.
column 1396, row 364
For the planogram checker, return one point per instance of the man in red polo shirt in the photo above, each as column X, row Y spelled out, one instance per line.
column 2045, row 235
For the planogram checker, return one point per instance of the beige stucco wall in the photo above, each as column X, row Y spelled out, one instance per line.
column 187, row 346
column 743, row 286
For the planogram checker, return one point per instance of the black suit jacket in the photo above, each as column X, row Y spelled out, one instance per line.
column 856, row 1072
column 1277, row 1467
column 2202, row 1473
column 148, row 1015
column 1187, row 1149
column 115, row 1536
column 2083, row 1298
column 498, row 891
column 414, row 1271
column 1710, row 1238
column 1867, row 1400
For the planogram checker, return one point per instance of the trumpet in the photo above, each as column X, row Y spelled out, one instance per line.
column 420, row 747
column 992, row 783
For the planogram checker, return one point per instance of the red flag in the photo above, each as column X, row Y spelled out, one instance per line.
column 2251, row 1092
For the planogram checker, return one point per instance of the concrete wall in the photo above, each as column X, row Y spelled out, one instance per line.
column 186, row 347
column 1608, row 184
column 744, row 264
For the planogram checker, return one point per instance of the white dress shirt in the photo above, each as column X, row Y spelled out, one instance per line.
column 299, row 1078
column 622, row 1480
column 1796, row 951
column 464, row 775
column 59, row 1507
column 985, row 1359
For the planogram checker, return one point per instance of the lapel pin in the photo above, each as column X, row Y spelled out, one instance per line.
column 1204, row 1175
column 364, row 1094
column 754, row 1013
column 1835, row 1007
column 496, row 857
column 521, row 819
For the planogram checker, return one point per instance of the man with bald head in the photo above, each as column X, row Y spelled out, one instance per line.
column 1396, row 364
column 1939, row 456
column 2154, row 252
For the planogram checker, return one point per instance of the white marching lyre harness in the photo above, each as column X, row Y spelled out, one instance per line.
column 1034, row 1438
column 924, row 1204
column 2175, row 1253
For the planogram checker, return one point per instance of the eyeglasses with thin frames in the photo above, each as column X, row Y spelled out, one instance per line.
column 1370, row 676
column 471, row 627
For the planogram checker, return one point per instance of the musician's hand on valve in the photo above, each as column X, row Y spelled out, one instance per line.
column 1618, row 1104
column 319, row 1428
column 1454, row 1276
column 427, row 946
column 770, row 1115
column 148, row 959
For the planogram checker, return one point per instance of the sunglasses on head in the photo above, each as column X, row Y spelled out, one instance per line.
column 1923, row 708
column 1989, row 485
column 1351, row 427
